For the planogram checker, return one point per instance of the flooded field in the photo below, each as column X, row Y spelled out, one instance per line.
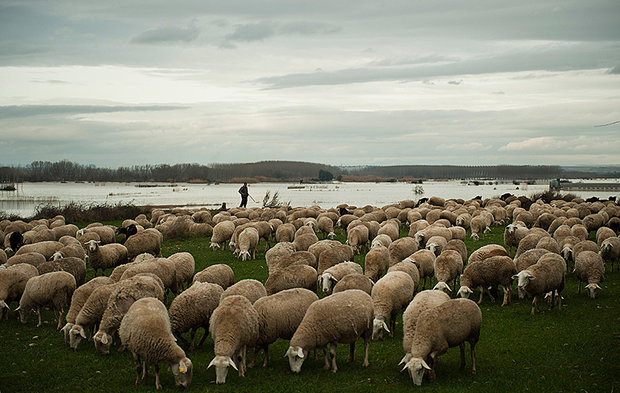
column 28, row 196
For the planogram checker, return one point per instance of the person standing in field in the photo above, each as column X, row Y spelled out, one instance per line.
column 244, row 195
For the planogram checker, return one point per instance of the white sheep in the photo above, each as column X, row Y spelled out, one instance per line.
column 250, row 288
column 185, row 265
column 333, row 256
column 46, row 248
column 332, row 275
column 381, row 240
column 148, row 240
column 107, row 234
column 354, row 281
column 436, row 244
column 547, row 275
column 421, row 302
column 513, row 234
column 234, row 327
column 145, row 331
column 448, row 266
column 478, row 225
column 78, row 299
column 285, row 233
column 293, row 276
column 220, row 274
column 357, row 237
column 90, row 314
column 484, row 252
column 610, row 250
column 105, row 256
column 191, row 310
column 248, row 241
column 590, row 268
column 376, row 262
column 326, row 227
column 401, row 249
column 342, row 317
column 48, row 290
column 119, row 302
column 13, row 281
column 390, row 295
column 447, row 325
column 425, row 262
column 279, row 315
column 491, row 272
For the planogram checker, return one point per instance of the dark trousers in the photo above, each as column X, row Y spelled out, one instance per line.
column 244, row 201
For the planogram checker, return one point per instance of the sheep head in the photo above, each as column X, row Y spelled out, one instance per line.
column 327, row 282
column 593, row 290
column 221, row 364
column 442, row 286
column 296, row 357
column 66, row 330
column 378, row 325
column 76, row 334
column 416, row 368
column 523, row 279
column 465, row 292
column 103, row 342
column 182, row 372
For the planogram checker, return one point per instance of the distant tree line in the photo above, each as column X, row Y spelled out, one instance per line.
column 289, row 171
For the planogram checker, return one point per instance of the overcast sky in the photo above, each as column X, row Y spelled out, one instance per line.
column 127, row 82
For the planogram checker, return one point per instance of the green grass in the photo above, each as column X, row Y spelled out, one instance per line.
column 569, row 351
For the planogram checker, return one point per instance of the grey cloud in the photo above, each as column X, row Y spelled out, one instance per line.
column 265, row 29
column 389, row 62
column 456, row 83
column 21, row 111
column 563, row 58
column 252, row 32
column 309, row 28
column 615, row 70
column 167, row 34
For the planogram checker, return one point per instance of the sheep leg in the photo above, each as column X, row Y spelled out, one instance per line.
column 559, row 301
column 351, row 352
column 392, row 324
column 472, row 349
column 332, row 353
column 462, row 348
column 136, row 358
column 60, row 314
column 481, row 294
column 578, row 287
column 327, row 365
column 266, row 361
column 38, row 312
column 253, row 361
column 535, row 304
column 192, row 335
column 204, row 336
column 507, row 293
column 366, row 346
column 157, row 383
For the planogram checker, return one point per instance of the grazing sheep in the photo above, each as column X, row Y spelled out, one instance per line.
column 317, row 248
column 390, row 295
column 279, row 316
column 12, row 284
column 30, row 258
column 491, row 272
column 285, row 233
column 70, row 250
column 79, row 298
column 391, row 229
column 604, row 233
column 584, row 245
column 530, row 242
column 278, row 251
column 106, row 256
column 484, row 252
column 145, row 331
column 421, row 302
column 334, row 256
column 332, row 275
column 354, row 281
column 549, row 243
column 422, row 236
column 48, row 290
column 425, row 262
column 250, row 288
column 90, row 314
column 304, row 241
column 458, row 233
column 610, row 250
column 478, row 225
column 464, row 220
column 46, row 248
column 513, row 234
column 39, row 233
column 529, row 258
column 184, row 266
column 401, row 249
column 381, row 240
column 376, row 262
column 119, row 302
column 342, row 317
column 234, row 327
column 191, row 310
column 357, row 237
column 547, row 275
column 326, row 227
column 410, row 268
column 148, row 240
column 248, row 241
column 296, row 258
column 436, row 244
column 64, row 230
column 220, row 274
column 579, row 231
column 590, row 268
column 75, row 266
column 448, row 266
column 447, row 325
column 107, row 234
column 293, row 276
column 163, row 268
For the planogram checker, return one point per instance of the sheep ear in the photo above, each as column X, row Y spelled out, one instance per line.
column 300, row 353
column 403, row 360
column 515, row 277
column 104, row 339
column 425, row 365
column 82, row 332
column 385, row 326
column 212, row 363
column 232, row 364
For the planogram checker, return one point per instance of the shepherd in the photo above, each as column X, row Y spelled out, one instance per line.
column 244, row 195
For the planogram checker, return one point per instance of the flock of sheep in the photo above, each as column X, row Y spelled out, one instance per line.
column 47, row 268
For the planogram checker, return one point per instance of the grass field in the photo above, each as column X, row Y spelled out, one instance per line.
column 574, row 350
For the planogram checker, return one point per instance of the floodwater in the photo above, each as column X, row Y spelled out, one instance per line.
column 28, row 196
